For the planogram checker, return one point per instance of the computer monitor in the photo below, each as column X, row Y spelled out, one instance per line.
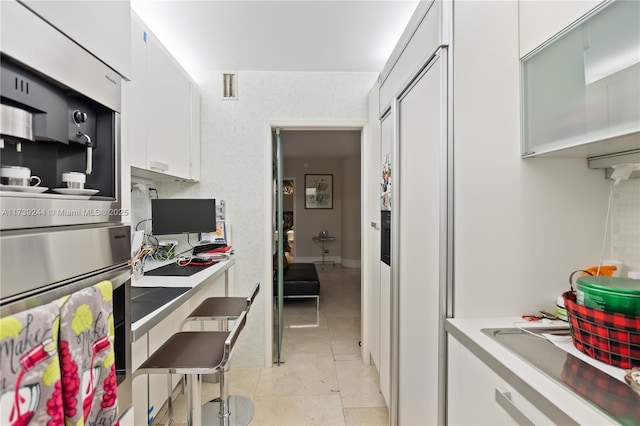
column 182, row 215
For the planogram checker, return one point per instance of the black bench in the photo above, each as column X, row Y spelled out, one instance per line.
column 300, row 281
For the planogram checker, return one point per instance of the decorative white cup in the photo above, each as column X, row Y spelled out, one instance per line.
column 74, row 180
column 18, row 176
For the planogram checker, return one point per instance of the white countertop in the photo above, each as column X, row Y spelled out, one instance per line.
column 143, row 325
column 468, row 331
column 190, row 281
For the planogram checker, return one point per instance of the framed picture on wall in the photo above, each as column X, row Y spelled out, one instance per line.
column 318, row 191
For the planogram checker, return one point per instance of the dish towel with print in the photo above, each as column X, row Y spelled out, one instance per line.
column 87, row 358
column 30, row 387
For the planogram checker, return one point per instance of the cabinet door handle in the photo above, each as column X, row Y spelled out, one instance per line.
column 157, row 165
column 503, row 398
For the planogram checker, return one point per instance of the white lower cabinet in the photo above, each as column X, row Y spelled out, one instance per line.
column 385, row 333
column 128, row 419
column 140, row 383
column 478, row 396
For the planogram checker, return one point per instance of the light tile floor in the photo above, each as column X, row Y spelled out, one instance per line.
column 322, row 380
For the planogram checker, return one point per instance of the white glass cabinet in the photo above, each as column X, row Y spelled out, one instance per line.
column 582, row 89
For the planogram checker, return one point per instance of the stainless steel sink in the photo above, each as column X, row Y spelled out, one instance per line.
column 612, row 396
column 538, row 351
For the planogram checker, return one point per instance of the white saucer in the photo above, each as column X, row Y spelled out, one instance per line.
column 16, row 188
column 73, row 191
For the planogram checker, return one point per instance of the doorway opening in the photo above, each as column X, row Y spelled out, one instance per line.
column 334, row 152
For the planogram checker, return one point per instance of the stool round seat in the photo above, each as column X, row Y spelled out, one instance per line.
column 216, row 308
column 222, row 308
column 183, row 353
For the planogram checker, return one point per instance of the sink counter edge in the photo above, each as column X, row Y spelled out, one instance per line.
column 557, row 402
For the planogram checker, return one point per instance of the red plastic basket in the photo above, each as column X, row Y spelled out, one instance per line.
column 606, row 336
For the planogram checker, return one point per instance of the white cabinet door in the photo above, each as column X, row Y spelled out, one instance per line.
column 478, row 396
column 138, row 95
column 584, row 87
column 371, row 231
column 418, row 177
column 386, row 142
column 541, row 20
column 101, row 27
column 168, row 113
column 129, row 419
column 141, row 382
column 385, row 333
column 194, row 172
column 165, row 118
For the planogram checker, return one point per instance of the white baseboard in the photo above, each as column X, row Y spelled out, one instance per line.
column 312, row 259
column 347, row 263
column 300, row 259
column 352, row 263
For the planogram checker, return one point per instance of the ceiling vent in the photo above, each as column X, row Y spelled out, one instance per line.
column 230, row 85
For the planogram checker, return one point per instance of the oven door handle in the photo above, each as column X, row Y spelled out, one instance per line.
column 118, row 276
column 121, row 276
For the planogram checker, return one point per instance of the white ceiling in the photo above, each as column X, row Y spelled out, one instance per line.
column 303, row 35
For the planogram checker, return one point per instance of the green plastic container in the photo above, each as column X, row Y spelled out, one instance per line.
column 610, row 294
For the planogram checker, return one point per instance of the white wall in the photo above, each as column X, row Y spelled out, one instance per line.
column 310, row 222
column 342, row 221
column 351, row 211
column 521, row 226
column 233, row 156
column 625, row 225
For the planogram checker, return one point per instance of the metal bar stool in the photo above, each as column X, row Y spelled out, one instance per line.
column 194, row 353
column 222, row 310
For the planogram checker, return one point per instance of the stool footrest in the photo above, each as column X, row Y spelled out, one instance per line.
column 241, row 411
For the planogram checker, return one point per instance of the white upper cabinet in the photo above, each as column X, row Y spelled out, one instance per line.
column 542, row 19
column 138, row 90
column 194, row 171
column 581, row 91
column 165, row 104
column 168, row 108
column 101, row 27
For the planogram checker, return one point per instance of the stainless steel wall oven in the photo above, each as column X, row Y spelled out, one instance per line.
column 33, row 267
